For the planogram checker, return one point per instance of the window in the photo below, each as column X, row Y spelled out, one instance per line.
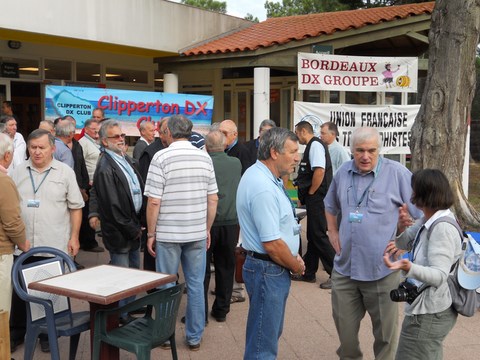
column 58, row 69
column 88, row 72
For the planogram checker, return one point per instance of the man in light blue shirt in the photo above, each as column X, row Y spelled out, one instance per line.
column 270, row 236
column 368, row 192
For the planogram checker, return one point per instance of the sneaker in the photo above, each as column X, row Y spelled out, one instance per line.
column 302, row 278
column 235, row 299
column 194, row 347
column 326, row 285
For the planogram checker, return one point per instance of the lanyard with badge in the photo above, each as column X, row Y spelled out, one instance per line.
column 356, row 216
column 35, row 203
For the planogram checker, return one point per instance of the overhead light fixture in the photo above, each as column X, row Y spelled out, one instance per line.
column 108, row 75
column 31, row 68
column 159, row 80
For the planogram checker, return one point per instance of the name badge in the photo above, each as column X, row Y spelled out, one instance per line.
column 33, row 203
column 296, row 229
column 355, row 217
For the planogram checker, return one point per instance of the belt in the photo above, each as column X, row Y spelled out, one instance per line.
column 260, row 256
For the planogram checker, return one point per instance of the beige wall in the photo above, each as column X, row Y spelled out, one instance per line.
column 151, row 24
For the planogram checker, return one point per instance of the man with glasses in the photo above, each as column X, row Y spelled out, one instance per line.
column 116, row 200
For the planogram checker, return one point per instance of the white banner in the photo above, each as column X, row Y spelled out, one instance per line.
column 394, row 122
column 357, row 73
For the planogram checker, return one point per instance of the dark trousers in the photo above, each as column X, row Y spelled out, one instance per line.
column 87, row 234
column 318, row 245
column 222, row 249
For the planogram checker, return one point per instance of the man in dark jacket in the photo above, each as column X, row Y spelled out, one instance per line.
column 116, row 198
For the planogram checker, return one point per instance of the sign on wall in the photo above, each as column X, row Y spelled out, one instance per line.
column 127, row 106
column 357, row 73
column 394, row 122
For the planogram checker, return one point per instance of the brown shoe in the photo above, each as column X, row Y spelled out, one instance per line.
column 235, row 299
column 194, row 347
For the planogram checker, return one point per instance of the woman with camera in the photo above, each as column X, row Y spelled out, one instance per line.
column 429, row 316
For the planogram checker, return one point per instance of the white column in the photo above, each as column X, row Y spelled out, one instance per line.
column 170, row 83
column 261, row 97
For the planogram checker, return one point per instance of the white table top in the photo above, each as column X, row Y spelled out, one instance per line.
column 103, row 284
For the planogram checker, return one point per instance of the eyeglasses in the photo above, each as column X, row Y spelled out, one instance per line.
column 117, row 137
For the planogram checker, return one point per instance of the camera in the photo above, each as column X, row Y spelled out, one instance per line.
column 406, row 292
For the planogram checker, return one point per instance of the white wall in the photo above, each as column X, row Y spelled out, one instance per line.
column 152, row 24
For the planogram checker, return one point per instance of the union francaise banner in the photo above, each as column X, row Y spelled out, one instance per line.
column 393, row 122
column 127, row 106
column 357, row 73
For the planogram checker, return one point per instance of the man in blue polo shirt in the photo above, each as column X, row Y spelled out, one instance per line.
column 270, row 236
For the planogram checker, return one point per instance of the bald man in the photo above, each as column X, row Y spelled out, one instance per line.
column 234, row 147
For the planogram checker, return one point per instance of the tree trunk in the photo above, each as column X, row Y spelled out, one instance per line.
column 440, row 129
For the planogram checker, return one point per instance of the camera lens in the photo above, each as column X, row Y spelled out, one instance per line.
column 398, row 295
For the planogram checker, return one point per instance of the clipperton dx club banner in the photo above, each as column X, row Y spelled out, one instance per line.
column 357, row 73
column 129, row 107
column 393, row 122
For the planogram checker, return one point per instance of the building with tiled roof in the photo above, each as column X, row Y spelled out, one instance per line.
column 224, row 65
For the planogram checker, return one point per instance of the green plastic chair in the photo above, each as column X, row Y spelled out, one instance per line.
column 143, row 334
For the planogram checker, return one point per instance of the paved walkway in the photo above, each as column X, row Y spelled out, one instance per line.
column 309, row 331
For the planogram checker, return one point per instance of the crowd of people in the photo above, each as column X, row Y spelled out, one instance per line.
column 188, row 200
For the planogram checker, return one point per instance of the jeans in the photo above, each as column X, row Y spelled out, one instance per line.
column 192, row 255
column 267, row 286
column 130, row 260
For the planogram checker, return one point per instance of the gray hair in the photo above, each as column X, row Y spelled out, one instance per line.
column 215, row 141
column 90, row 122
column 362, row 134
column 143, row 125
column 107, row 124
column 267, row 122
column 6, row 118
column 64, row 128
column 274, row 139
column 215, row 126
column 6, row 144
column 2, row 127
column 38, row 133
column 180, row 127
column 331, row 127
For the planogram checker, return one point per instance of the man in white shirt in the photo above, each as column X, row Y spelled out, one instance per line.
column 19, row 145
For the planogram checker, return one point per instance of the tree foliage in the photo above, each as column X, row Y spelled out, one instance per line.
column 217, row 6
column 440, row 128
column 251, row 18
column 302, row 7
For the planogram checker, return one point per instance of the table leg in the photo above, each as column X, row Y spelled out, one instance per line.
column 106, row 351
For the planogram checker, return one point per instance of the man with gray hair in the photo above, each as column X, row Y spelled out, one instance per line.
column 64, row 131
column 182, row 203
column 116, row 200
column 270, row 235
column 224, row 232
column 368, row 192
column 252, row 145
column 19, row 145
column 147, row 136
column 51, row 205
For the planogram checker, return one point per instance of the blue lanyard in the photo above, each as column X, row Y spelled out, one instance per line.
column 365, row 192
column 411, row 254
column 41, row 182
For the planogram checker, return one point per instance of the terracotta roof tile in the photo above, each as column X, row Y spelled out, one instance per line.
column 277, row 31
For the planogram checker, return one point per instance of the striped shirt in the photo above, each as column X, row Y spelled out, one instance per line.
column 181, row 176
